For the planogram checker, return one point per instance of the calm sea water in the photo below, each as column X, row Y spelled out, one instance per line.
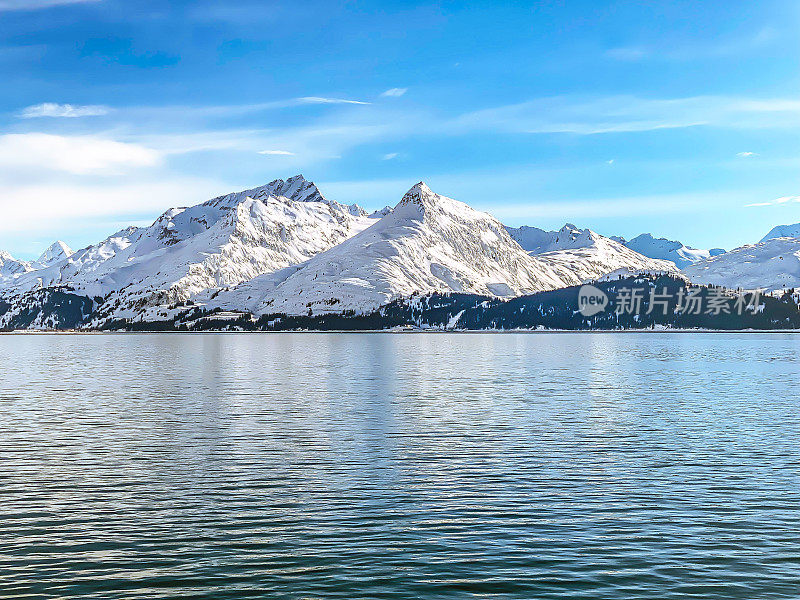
column 526, row 466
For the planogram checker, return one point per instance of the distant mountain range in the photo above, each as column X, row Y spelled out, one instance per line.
column 783, row 231
column 585, row 254
column 671, row 250
column 10, row 267
column 283, row 248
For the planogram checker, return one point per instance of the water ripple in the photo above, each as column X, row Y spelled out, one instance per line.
column 583, row 466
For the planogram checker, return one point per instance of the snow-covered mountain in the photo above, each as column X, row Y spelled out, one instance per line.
column 10, row 266
column 535, row 240
column 284, row 248
column 56, row 252
column 664, row 249
column 789, row 231
column 770, row 265
column 584, row 253
column 218, row 243
column 428, row 243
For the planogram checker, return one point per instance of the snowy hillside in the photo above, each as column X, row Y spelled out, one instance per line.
column 429, row 243
column 664, row 249
column 584, row 253
column 790, row 231
column 770, row 265
column 221, row 242
column 535, row 240
column 10, row 266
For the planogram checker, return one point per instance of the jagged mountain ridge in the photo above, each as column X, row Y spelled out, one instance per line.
column 583, row 252
column 221, row 242
column 262, row 251
column 664, row 249
column 257, row 250
column 428, row 243
column 11, row 267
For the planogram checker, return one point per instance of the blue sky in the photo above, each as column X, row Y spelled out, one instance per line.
column 676, row 118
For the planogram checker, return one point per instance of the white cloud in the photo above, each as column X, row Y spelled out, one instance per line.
column 276, row 152
column 394, row 92
column 777, row 201
column 390, row 156
column 65, row 206
column 610, row 161
column 72, row 154
column 320, row 100
column 52, row 109
column 746, row 154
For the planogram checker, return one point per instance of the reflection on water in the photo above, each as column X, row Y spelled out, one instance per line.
column 400, row 466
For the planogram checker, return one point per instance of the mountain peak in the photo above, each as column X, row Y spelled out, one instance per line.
column 296, row 188
column 664, row 249
column 790, row 231
column 417, row 193
column 57, row 251
column 420, row 203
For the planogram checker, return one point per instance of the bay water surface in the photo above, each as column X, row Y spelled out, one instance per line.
column 314, row 466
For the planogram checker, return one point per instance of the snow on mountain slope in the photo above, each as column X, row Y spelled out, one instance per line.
column 429, row 243
column 221, row 242
column 790, row 231
column 533, row 239
column 57, row 252
column 664, row 249
column 770, row 265
column 10, row 266
column 584, row 253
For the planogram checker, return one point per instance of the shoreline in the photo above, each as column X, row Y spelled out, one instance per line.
column 399, row 332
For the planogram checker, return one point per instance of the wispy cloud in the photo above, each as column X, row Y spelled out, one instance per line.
column 390, row 156
column 277, row 152
column 777, row 201
column 37, row 4
column 394, row 92
column 672, row 50
column 621, row 114
column 326, row 136
column 52, row 109
column 78, row 155
column 746, row 154
column 321, row 100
